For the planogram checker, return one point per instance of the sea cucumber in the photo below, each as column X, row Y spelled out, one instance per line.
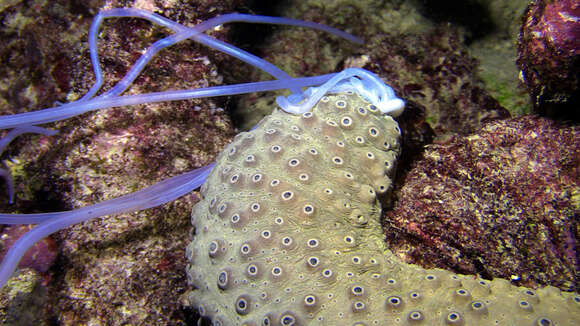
column 288, row 233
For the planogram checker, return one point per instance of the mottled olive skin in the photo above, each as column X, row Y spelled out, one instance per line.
column 288, row 233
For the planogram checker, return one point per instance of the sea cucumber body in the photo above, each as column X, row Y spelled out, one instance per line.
column 288, row 233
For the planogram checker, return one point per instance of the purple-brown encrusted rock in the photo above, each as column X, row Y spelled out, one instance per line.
column 549, row 57
column 39, row 257
column 436, row 71
column 126, row 269
column 426, row 64
column 503, row 203
column 24, row 300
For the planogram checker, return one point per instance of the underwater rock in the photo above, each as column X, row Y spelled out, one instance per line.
column 549, row 57
column 426, row 63
column 489, row 30
column 435, row 71
column 39, row 257
column 125, row 269
column 23, row 300
column 503, row 202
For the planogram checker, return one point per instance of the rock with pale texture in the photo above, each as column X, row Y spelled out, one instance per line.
column 288, row 233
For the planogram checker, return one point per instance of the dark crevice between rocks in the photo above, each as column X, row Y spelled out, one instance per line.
column 251, row 38
column 472, row 15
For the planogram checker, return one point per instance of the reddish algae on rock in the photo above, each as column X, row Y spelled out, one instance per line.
column 125, row 269
column 503, row 202
column 549, row 57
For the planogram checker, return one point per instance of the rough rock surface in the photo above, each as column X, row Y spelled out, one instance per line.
column 288, row 233
column 489, row 29
column 23, row 300
column 425, row 62
column 39, row 257
column 549, row 57
column 126, row 269
column 503, row 202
